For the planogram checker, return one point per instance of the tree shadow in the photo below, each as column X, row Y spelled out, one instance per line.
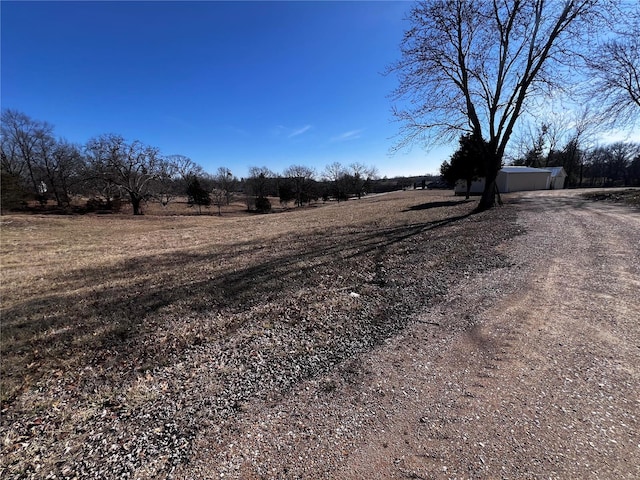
column 430, row 205
column 132, row 301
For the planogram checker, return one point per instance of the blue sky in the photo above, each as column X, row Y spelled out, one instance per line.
column 234, row 84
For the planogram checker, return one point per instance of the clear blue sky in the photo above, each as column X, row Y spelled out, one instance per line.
column 234, row 84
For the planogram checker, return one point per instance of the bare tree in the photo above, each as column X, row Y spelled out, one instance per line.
column 301, row 179
column 30, row 152
column 218, row 198
column 226, row 182
column 176, row 174
column 131, row 167
column 615, row 72
column 167, row 182
column 360, row 175
column 47, row 166
column 258, row 187
column 336, row 175
column 185, row 168
column 474, row 66
column 22, row 139
column 67, row 170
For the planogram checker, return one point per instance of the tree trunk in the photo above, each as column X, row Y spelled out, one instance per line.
column 135, row 203
column 488, row 199
column 468, row 189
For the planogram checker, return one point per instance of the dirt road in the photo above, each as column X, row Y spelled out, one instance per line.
column 540, row 380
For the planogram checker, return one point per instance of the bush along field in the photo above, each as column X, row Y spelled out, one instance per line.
column 125, row 337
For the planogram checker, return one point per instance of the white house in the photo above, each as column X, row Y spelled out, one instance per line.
column 515, row 179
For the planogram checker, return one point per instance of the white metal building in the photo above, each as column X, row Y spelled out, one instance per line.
column 558, row 176
column 513, row 179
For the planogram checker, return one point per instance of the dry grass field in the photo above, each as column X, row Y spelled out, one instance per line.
column 122, row 336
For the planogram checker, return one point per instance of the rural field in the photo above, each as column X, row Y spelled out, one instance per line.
column 397, row 336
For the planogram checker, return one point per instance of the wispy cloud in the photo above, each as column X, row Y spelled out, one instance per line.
column 350, row 135
column 288, row 132
column 299, row 131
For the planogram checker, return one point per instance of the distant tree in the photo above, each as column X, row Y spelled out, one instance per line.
column 634, row 171
column 197, row 195
column 12, row 162
column 71, row 168
column 263, row 205
column 22, row 142
column 259, row 185
column 465, row 164
column 286, row 191
column 226, row 182
column 336, row 175
column 185, row 168
column 133, row 167
column 595, row 166
column 534, row 156
column 475, row 66
column 63, row 166
column 301, row 180
column 620, row 158
column 611, row 165
column 359, row 177
column 219, row 198
column 38, row 161
column 12, row 192
column 167, row 183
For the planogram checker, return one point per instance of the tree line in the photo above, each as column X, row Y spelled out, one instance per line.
column 108, row 169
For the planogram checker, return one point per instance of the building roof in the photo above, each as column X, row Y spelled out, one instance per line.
column 516, row 169
column 556, row 171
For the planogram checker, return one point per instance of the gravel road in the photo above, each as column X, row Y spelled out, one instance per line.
column 527, row 371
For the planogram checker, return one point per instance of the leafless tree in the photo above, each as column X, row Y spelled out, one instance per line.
column 301, row 178
column 184, row 168
column 615, row 72
column 336, row 175
column 474, row 65
column 22, row 139
column 31, row 152
column 226, row 182
column 333, row 172
column 258, row 185
column 131, row 167
column 168, row 182
column 360, row 175
column 218, row 198
column 65, row 170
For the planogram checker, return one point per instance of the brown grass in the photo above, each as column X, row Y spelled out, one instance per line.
column 94, row 307
column 629, row 196
column 72, row 284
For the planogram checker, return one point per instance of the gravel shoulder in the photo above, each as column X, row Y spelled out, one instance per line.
column 527, row 371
